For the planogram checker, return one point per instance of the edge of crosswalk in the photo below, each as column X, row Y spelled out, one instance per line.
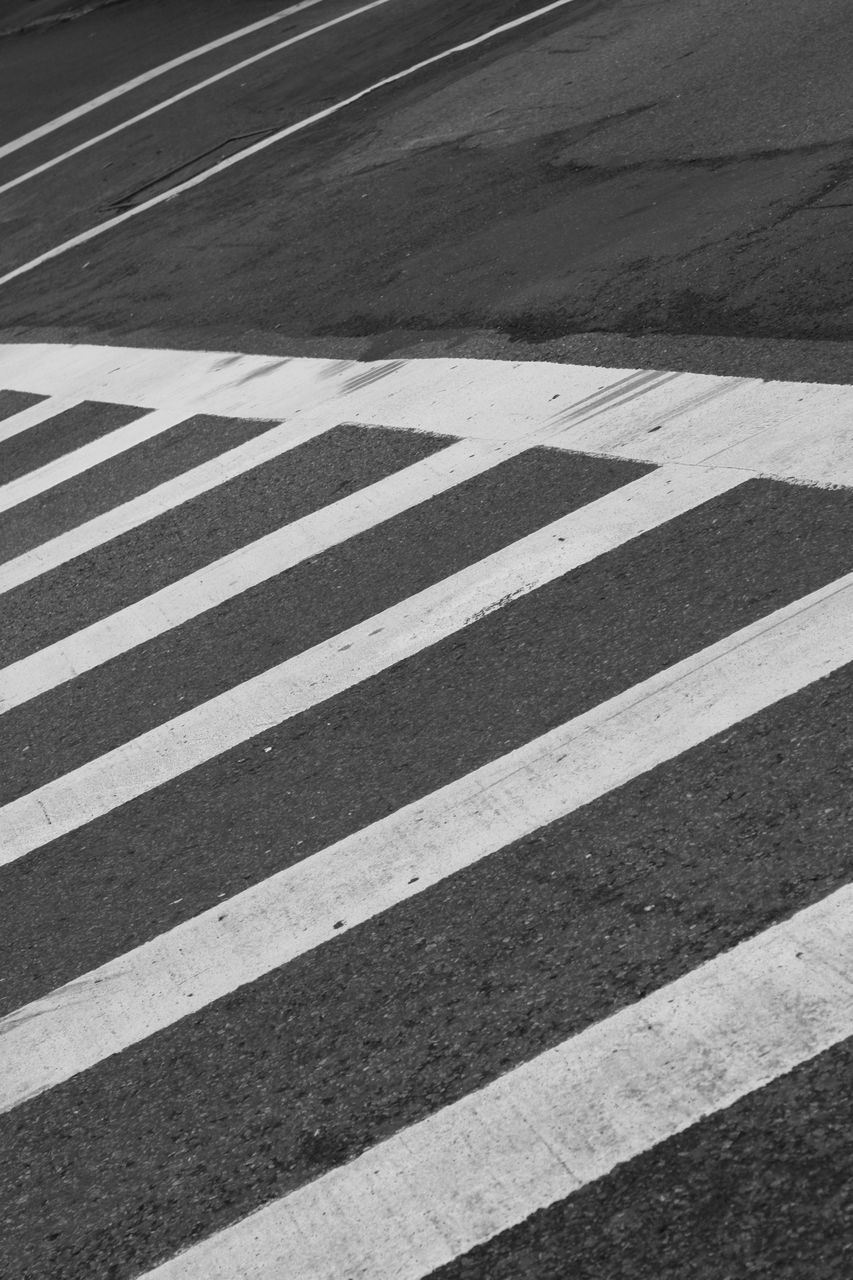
column 789, row 430
column 569, row 1115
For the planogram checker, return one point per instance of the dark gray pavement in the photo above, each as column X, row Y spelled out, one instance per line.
column 324, row 595
column 747, row 1193
column 308, row 1066
column 185, row 538
column 188, row 444
column 646, row 182
column 60, row 434
column 272, row 1086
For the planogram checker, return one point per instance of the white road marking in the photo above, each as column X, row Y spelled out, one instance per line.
column 42, row 131
column 791, row 430
column 372, row 870
column 245, row 568
column 186, row 93
column 275, row 138
column 138, row 511
column 34, row 415
column 72, row 464
column 153, row 378
column 558, row 1122
column 352, row 656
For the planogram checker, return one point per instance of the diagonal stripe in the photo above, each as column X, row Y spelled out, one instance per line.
column 245, row 568
column 370, row 871
column 130, row 515
column 564, row 1119
column 13, row 403
column 90, row 455
column 37, row 413
column 344, row 660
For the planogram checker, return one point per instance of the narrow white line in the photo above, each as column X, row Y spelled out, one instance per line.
column 89, row 455
column 36, row 414
column 245, row 568
column 560, row 1121
column 274, row 138
column 186, row 93
column 129, row 85
column 354, row 655
column 85, row 537
column 376, row 868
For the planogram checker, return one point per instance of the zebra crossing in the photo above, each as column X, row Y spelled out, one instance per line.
column 424, row 791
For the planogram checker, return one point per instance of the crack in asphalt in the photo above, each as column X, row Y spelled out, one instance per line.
column 55, row 19
column 711, row 162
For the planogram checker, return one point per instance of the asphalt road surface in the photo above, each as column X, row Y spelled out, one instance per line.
column 628, row 181
column 426, row 653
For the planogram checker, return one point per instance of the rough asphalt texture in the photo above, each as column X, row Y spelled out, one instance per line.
column 350, row 760
column 639, row 182
column 660, row 182
column 311, row 1064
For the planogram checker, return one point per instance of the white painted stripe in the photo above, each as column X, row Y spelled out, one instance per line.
column 372, row 870
column 245, row 568
column 128, row 86
column 36, row 414
column 490, row 390
column 72, row 464
column 275, row 138
column 791, row 430
column 186, row 93
column 352, row 656
column 130, row 515
column 560, row 1121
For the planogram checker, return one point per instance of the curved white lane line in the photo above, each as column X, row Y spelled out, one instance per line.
column 186, row 93
column 129, row 85
column 444, row 1185
column 93, row 232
